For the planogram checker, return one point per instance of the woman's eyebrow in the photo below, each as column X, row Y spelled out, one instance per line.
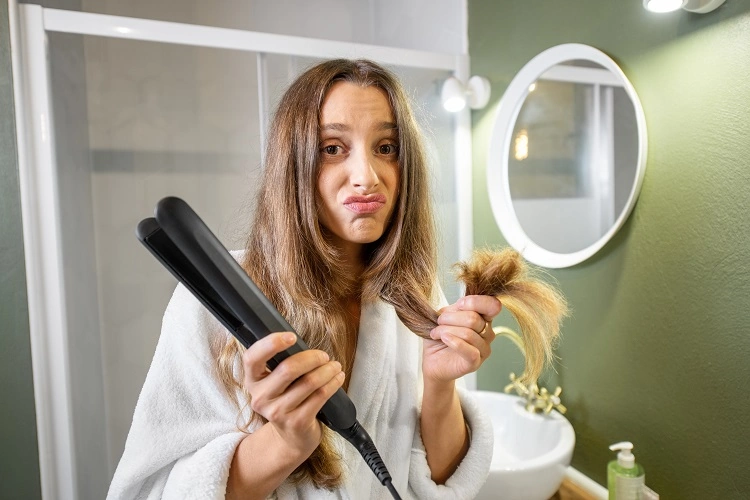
column 344, row 127
column 336, row 126
column 387, row 126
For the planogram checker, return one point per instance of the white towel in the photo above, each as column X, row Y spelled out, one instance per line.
column 184, row 431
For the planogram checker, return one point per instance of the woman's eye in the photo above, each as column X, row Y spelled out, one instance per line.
column 331, row 150
column 388, row 149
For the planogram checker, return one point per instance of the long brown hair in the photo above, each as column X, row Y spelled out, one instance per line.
column 289, row 257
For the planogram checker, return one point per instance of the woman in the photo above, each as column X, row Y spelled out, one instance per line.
column 343, row 245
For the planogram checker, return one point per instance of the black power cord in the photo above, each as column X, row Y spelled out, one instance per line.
column 357, row 436
column 393, row 491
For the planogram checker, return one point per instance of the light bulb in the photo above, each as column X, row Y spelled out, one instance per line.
column 454, row 104
column 453, row 95
column 521, row 145
column 663, row 5
column 694, row 6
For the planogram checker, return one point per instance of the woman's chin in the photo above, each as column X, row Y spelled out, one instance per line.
column 362, row 234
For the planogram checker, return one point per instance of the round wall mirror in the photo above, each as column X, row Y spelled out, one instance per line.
column 567, row 155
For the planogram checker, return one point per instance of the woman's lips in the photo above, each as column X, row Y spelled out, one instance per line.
column 365, row 204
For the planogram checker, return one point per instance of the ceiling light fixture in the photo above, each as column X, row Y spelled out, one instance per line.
column 695, row 6
column 455, row 96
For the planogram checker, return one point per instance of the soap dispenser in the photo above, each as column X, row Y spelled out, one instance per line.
column 625, row 478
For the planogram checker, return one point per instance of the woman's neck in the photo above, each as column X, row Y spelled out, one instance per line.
column 352, row 255
column 352, row 306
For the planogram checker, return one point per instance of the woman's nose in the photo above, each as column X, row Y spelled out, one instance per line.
column 362, row 172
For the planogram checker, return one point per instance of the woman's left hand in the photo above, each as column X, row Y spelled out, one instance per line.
column 461, row 341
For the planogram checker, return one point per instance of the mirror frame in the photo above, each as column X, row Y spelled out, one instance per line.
column 501, row 140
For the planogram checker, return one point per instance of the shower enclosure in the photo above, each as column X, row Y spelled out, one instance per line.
column 115, row 113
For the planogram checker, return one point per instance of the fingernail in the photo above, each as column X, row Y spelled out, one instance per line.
column 340, row 375
column 289, row 338
column 461, row 302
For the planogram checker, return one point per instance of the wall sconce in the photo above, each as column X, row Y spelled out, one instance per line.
column 696, row 6
column 455, row 95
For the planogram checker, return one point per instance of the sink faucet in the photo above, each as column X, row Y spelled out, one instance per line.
column 537, row 400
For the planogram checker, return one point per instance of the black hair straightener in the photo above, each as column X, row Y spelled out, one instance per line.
column 182, row 242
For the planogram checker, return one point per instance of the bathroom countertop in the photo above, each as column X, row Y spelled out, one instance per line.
column 570, row 491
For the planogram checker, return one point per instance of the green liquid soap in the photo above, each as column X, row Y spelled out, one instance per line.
column 625, row 478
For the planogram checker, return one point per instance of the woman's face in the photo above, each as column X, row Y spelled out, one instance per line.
column 359, row 173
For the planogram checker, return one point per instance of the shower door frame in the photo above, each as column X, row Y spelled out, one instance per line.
column 29, row 25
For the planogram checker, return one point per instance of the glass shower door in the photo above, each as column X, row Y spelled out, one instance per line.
column 135, row 121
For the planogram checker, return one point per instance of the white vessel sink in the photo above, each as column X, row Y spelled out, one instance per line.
column 531, row 453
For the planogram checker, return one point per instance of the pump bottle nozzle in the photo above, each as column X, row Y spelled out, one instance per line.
column 625, row 456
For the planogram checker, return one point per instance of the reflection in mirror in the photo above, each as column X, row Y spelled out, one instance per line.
column 573, row 156
column 571, row 163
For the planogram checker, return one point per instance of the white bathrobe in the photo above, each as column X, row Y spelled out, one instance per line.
column 184, row 431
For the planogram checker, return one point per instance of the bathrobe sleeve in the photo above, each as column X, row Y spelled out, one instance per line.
column 185, row 426
column 471, row 473
column 473, row 470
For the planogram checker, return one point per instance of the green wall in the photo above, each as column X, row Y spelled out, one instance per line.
column 658, row 348
column 19, row 459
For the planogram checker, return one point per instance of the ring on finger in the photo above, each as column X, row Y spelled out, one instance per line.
column 484, row 331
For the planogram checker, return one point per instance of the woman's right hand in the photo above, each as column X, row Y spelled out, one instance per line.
column 291, row 395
